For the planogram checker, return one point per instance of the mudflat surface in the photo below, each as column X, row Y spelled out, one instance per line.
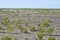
column 53, row 15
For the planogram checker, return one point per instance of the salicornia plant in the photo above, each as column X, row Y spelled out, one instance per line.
column 32, row 28
column 6, row 21
column 0, row 28
column 40, row 36
column 22, row 29
column 15, row 38
column 9, row 29
column 51, row 38
column 6, row 38
column 40, row 29
column 38, row 13
column 49, row 30
column 45, row 23
column 17, row 22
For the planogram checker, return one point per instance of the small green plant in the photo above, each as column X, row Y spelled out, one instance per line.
column 40, row 29
column 49, row 30
column 32, row 28
column 17, row 22
column 38, row 14
column 9, row 29
column 13, row 22
column 22, row 29
column 45, row 23
column 32, row 19
column 25, row 30
column 38, row 25
column 6, row 21
column 45, row 12
column 6, row 38
column 15, row 38
column 0, row 28
column 40, row 36
column 51, row 38
column 27, row 23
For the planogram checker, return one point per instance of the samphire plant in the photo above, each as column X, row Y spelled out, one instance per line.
column 25, row 30
column 6, row 21
column 49, row 30
column 51, row 38
column 38, row 13
column 32, row 28
column 15, row 38
column 40, row 29
column 22, row 29
column 45, row 23
column 40, row 36
column 39, row 25
column 46, row 12
column 32, row 19
column 27, row 23
column 0, row 28
column 17, row 22
column 9, row 29
column 6, row 38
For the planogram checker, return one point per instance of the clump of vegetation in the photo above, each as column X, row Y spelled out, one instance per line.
column 40, row 29
column 45, row 12
column 27, row 23
column 6, row 38
column 9, row 29
column 15, row 38
column 51, row 38
column 17, row 22
column 25, row 30
column 32, row 19
column 0, row 28
column 40, row 36
column 49, row 30
column 45, row 23
column 38, row 13
column 22, row 29
column 6, row 21
column 32, row 28
column 38, row 25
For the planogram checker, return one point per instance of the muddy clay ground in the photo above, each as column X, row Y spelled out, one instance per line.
column 25, row 14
